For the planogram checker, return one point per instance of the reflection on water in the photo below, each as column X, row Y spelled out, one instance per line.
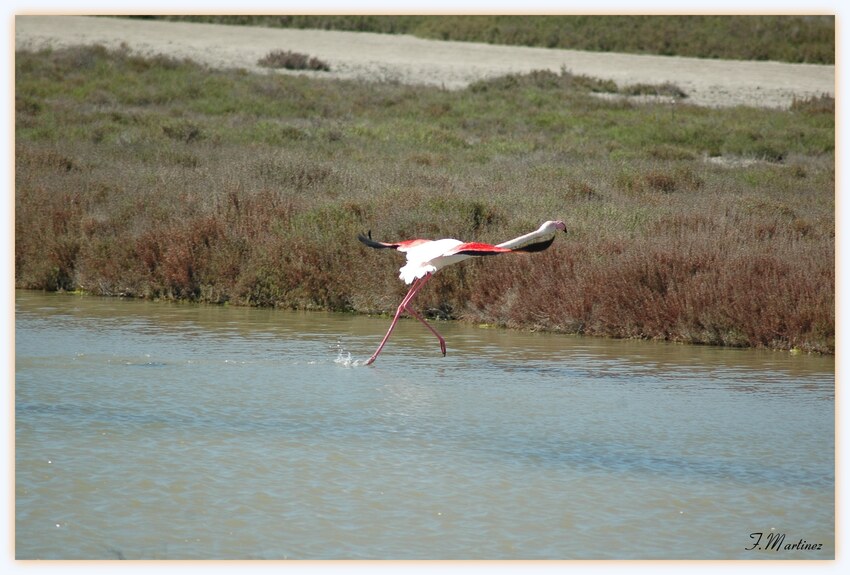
column 153, row 430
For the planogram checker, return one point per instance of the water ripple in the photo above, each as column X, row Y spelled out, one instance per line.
column 192, row 432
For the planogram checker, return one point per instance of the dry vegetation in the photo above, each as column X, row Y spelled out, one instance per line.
column 157, row 178
column 290, row 60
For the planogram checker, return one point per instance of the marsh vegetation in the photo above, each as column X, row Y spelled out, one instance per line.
column 156, row 177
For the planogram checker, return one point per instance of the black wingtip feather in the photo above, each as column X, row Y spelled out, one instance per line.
column 537, row 247
column 367, row 240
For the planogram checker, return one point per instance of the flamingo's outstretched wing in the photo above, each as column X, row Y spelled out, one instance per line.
column 536, row 246
column 477, row 249
column 401, row 246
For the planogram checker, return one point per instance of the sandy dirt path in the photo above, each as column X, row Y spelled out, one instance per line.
column 416, row 61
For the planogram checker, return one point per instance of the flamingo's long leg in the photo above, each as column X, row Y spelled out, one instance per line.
column 428, row 325
column 414, row 289
column 402, row 306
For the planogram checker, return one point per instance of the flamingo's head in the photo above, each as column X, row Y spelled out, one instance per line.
column 551, row 227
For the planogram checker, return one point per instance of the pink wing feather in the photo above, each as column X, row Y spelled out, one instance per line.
column 478, row 249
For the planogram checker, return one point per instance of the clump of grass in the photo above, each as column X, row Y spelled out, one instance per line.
column 823, row 104
column 568, row 82
column 547, row 80
column 292, row 61
column 665, row 89
column 253, row 190
column 183, row 131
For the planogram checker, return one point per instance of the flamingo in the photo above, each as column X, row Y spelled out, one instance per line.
column 426, row 257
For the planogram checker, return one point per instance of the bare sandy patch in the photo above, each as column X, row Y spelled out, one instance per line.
column 410, row 60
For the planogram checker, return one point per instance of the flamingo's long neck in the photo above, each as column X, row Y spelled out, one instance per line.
column 537, row 240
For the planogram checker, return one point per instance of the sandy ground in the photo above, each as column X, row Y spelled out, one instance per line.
column 415, row 61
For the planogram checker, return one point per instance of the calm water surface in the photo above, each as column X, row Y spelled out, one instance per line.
column 166, row 431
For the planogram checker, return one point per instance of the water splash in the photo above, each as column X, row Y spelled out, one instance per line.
column 344, row 358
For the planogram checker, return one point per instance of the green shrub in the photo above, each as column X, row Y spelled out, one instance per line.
column 292, row 61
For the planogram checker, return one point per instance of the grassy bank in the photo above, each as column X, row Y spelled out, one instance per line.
column 809, row 39
column 157, row 178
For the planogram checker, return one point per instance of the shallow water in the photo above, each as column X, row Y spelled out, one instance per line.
column 174, row 431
